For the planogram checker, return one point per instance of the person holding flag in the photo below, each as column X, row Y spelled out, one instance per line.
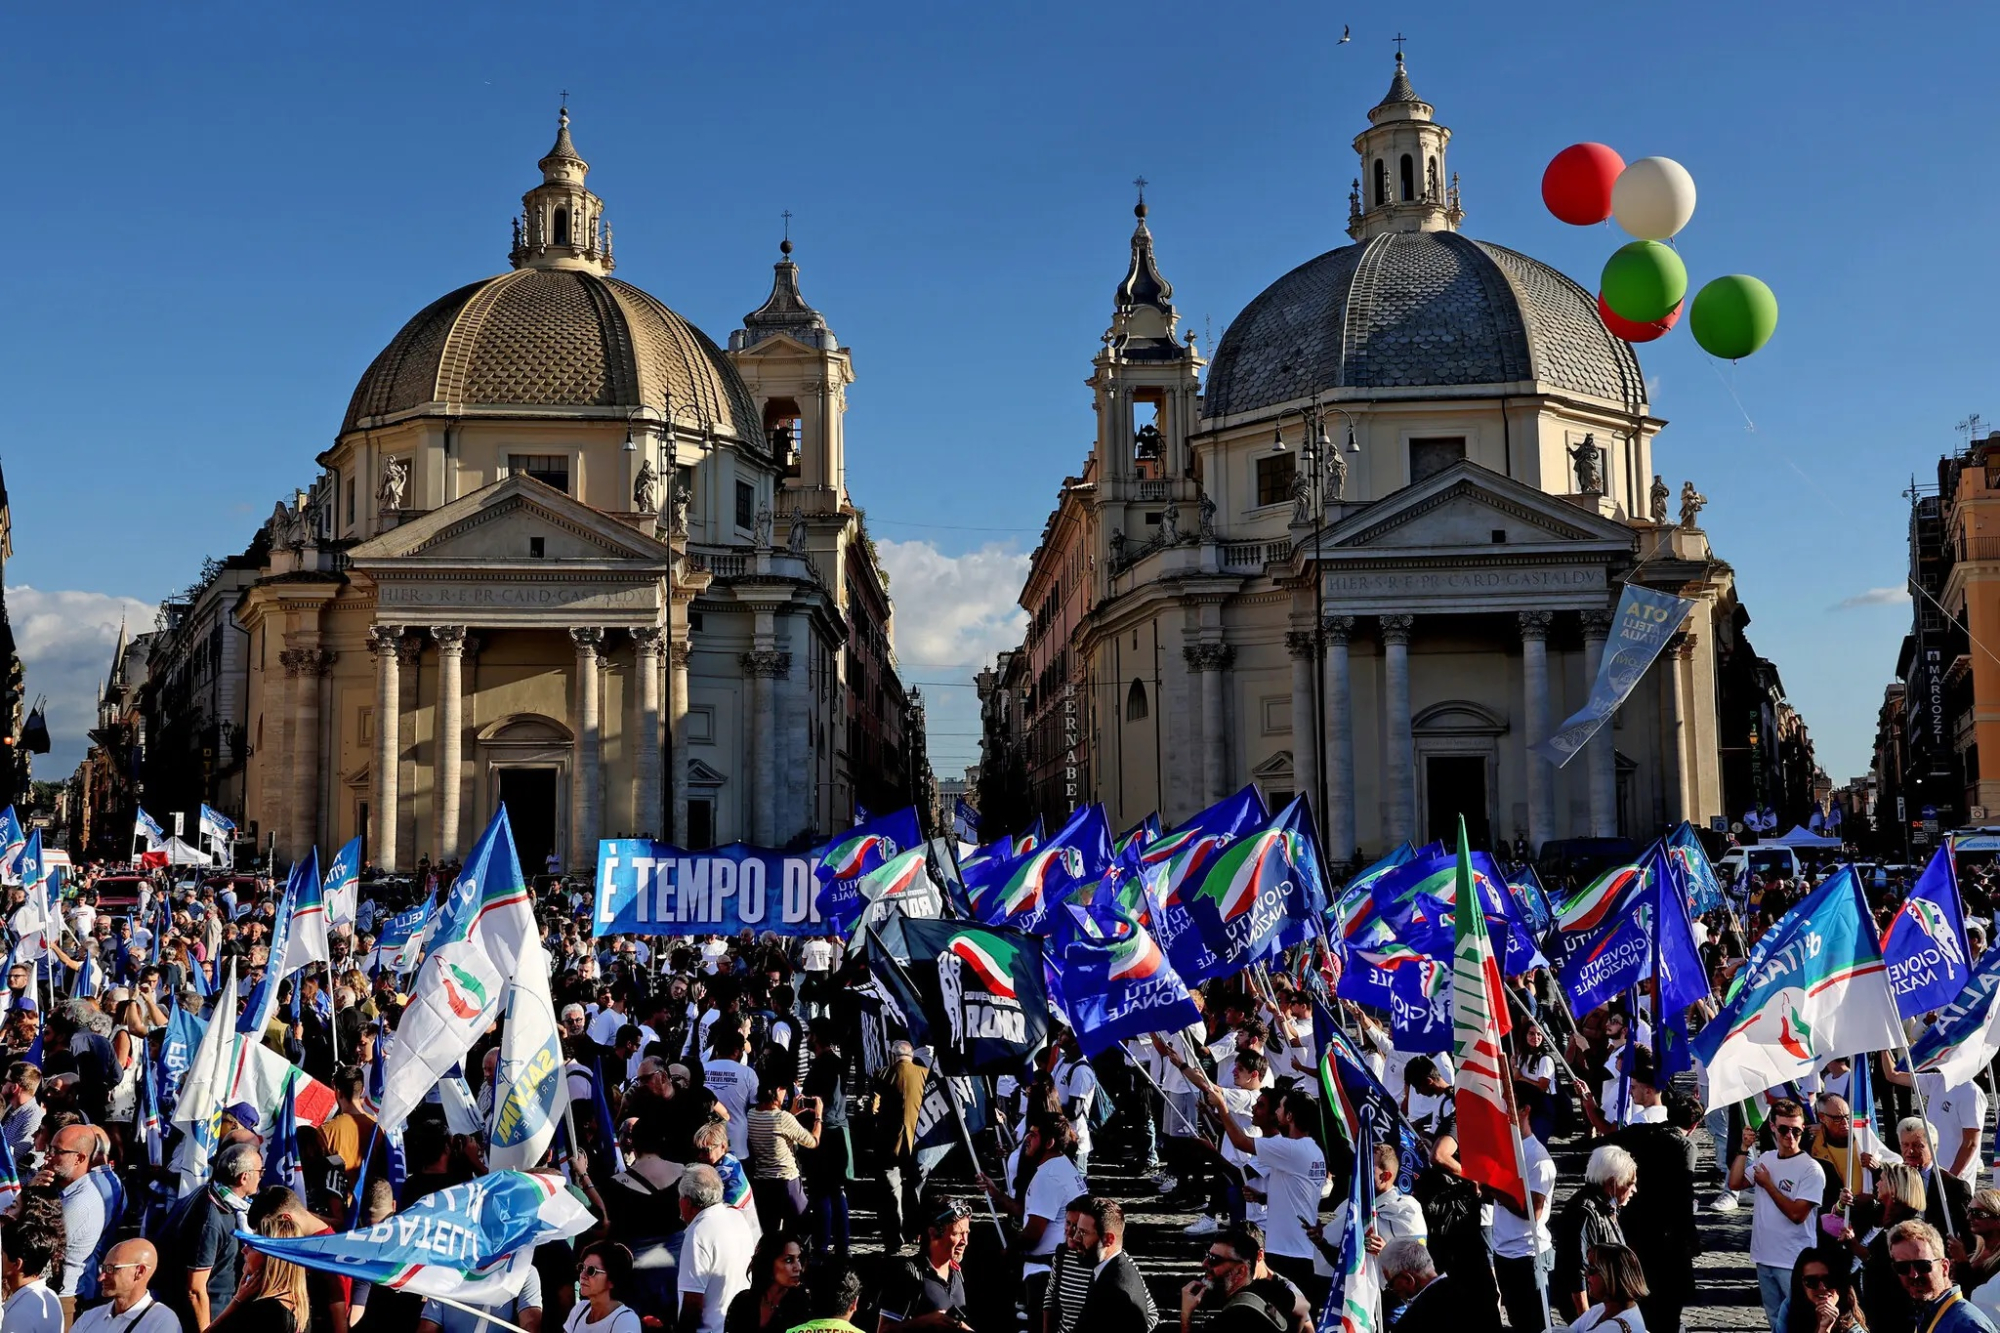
column 1294, row 1171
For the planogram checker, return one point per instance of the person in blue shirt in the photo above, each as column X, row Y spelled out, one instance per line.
column 1917, row 1252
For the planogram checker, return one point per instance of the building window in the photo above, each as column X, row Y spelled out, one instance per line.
column 350, row 502
column 684, row 478
column 701, row 825
column 1274, row 477
column 746, row 505
column 562, row 225
column 1135, row 703
column 1409, row 178
column 549, row 469
column 1381, row 183
column 1430, row 456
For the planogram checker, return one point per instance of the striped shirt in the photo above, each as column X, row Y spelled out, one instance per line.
column 773, row 1135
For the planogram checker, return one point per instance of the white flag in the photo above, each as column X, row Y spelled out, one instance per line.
column 205, row 1091
column 457, row 996
column 530, row 1088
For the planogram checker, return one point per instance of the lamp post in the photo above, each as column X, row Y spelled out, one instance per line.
column 1316, row 455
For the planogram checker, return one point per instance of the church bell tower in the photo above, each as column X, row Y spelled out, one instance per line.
column 1403, row 184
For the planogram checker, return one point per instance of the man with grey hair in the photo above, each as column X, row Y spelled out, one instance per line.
column 1589, row 1217
column 716, row 1251
column 204, row 1258
column 1946, row 1196
column 1410, row 1279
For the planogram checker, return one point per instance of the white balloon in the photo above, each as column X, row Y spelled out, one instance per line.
column 1653, row 198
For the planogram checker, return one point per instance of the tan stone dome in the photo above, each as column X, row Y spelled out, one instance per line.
column 545, row 339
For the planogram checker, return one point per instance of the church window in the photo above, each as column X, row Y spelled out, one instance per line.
column 684, row 473
column 350, row 502
column 1274, row 478
column 537, row 548
column 1381, row 182
column 1430, row 456
column 701, row 825
column 746, row 505
column 549, row 469
column 562, row 223
column 782, row 428
column 1409, row 177
column 1135, row 703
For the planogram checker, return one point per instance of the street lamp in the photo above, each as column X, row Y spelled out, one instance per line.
column 1317, row 456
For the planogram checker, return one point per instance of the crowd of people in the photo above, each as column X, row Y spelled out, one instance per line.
column 746, row 1116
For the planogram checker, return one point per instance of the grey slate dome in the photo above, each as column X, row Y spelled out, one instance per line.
column 542, row 339
column 1415, row 310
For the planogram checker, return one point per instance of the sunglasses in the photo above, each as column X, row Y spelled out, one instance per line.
column 1820, row 1280
column 1914, row 1267
column 589, row 1271
column 1788, row 1131
column 1214, row 1260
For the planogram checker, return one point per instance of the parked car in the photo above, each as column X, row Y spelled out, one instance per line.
column 116, row 891
column 1760, row 861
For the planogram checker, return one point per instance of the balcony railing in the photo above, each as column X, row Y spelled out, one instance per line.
column 1254, row 555
column 1979, row 548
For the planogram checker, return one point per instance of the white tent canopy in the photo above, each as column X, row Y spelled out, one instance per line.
column 1801, row 836
column 180, row 854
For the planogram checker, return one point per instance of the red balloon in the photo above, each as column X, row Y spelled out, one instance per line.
column 1577, row 184
column 1637, row 333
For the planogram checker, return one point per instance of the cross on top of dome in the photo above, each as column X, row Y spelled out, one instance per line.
column 562, row 223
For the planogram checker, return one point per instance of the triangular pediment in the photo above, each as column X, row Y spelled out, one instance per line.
column 500, row 522
column 1278, row 765
column 1467, row 505
column 704, row 774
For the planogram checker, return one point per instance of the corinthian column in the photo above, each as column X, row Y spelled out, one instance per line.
column 451, row 727
column 678, row 654
column 1679, row 648
column 646, row 665
column 1402, row 758
column 306, row 666
column 1208, row 661
column 1600, row 758
column 1305, row 736
column 388, row 732
column 1342, row 837
column 765, row 667
column 1535, row 709
column 585, row 751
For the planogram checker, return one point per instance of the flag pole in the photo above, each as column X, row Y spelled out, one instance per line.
column 485, row 1315
column 1917, row 1087
column 965, row 1137
column 333, row 1003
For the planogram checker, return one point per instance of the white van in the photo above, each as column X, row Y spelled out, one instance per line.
column 1761, row 861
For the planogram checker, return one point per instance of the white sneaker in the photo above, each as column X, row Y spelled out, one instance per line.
column 1165, row 1183
column 1724, row 1202
column 1202, row 1226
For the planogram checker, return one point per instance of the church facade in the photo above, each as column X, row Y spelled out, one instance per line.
column 569, row 554
column 1372, row 551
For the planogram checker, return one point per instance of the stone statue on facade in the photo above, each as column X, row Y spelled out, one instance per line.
column 1302, row 498
column 645, row 489
column 1692, row 503
column 395, row 479
column 1588, row 480
column 1170, row 524
column 1336, row 476
column 795, row 534
column 1118, row 540
column 1659, row 499
column 1432, row 188
column 1205, row 517
column 763, row 528
column 679, row 497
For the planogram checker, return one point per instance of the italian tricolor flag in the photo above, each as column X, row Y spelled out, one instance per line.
column 1489, row 1144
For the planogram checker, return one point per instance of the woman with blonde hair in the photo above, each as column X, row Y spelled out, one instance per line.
column 1616, row 1285
column 272, row 1295
column 1899, row 1196
column 1974, row 1271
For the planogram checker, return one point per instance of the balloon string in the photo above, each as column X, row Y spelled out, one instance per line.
column 1728, row 383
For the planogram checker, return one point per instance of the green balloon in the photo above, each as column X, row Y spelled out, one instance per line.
column 1733, row 316
column 1643, row 281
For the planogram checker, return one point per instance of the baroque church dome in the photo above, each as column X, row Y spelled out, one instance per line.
column 1415, row 305
column 556, row 333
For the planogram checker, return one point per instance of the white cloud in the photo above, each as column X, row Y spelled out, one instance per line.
column 953, row 610
column 65, row 641
column 1874, row 597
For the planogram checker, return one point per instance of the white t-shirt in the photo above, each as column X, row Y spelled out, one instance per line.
column 1594, row 1320
column 1397, row 1217
column 146, row 1316
column 1295, row 1172
column 1952, row 1111
column 1056, row 1182
column 735, row 1086
column 1239, row 1101
column 604, row 1027
column 1619, row 1110
column 33, row 1309
column 1774, row 1239
column 1076, row 1081
column 1512, row 1236
column 715, row 1261
column 816, row 955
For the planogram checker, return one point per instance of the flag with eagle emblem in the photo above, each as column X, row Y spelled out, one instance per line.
column 974, row 993
column 1489, row 1149
column 1815, row 987
column 1924, row 945
column 1122, row 985
column 1965, row 1036
column 1020, row 892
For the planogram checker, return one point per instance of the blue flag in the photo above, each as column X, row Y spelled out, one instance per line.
column 1022, row 891
column 1532, row 900
column 964, row 822
column 343, row 883
column 177, row 1051
column 1122, row 986
column 12, row 842
column 1924, row 945
column 1354, row 1300
column 262, row 1006
column 1417, row 900
column 1619, row 954
column 600, row 1114
column 1355, row 1097
column 282, row 1164
column 10, row 1175
column 1420, row 1007
column 1704, row 887
column 1966, row 1034
column 855, row 855
column 1175, row 862
column 1260, row 895
column 150, row 1125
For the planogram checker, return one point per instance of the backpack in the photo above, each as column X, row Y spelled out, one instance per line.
column 1250, row 1301
column 1450, row 1203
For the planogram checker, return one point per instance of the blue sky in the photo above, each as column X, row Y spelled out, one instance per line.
column 220, row 214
